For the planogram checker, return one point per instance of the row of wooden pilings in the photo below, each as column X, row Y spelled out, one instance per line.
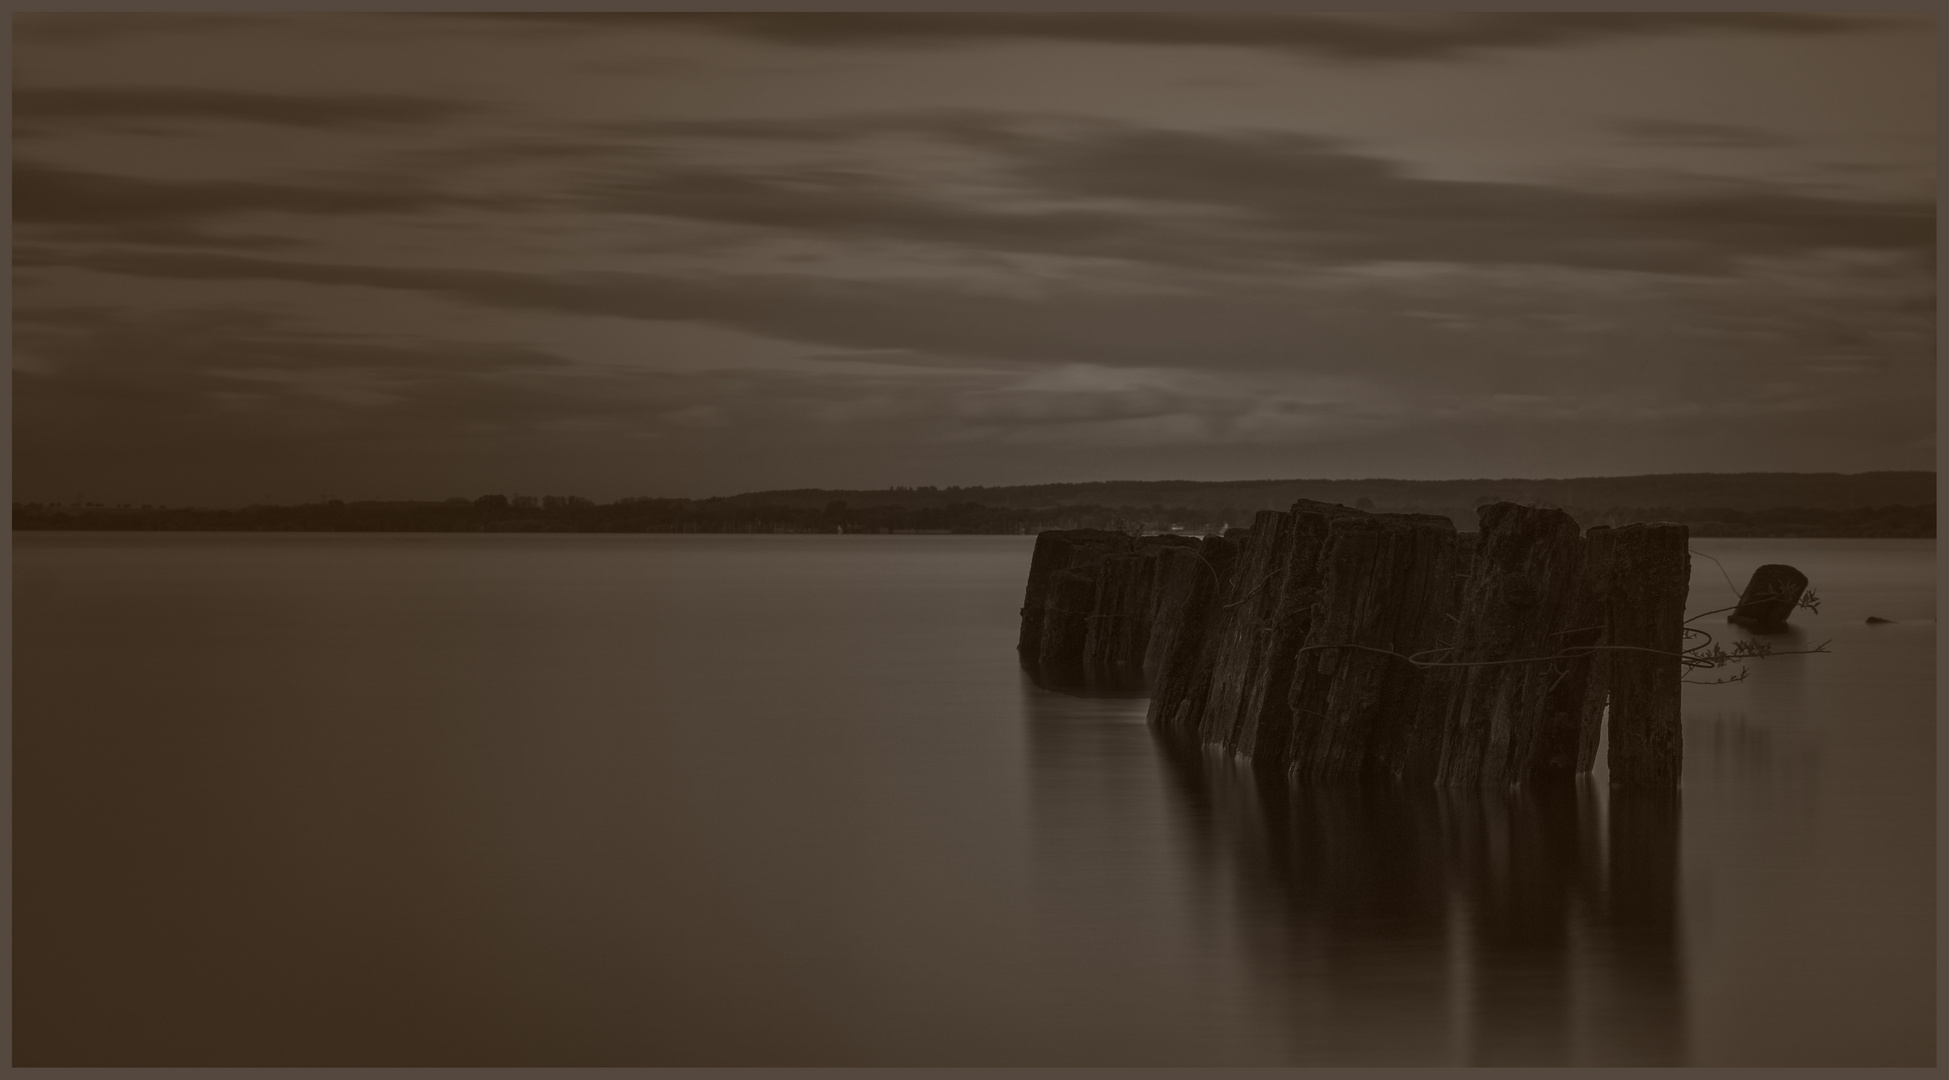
column 1328, row 642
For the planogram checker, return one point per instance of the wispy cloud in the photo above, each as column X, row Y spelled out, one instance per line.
column 1695, row 133
column 66, row 107
column 775, row 241
column 1371, row 39
column 1242, row 198
column 123, row 209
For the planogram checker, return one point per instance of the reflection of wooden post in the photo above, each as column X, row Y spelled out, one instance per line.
column 1646, row 1017
column 1650, row 571
column 1770, row 596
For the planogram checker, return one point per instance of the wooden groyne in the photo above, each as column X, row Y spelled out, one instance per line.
column 1328, row 642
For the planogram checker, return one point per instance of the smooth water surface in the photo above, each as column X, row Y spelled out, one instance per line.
column 630, row 800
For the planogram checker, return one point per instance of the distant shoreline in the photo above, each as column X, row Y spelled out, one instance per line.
column 496, row 514
column 1886, row 505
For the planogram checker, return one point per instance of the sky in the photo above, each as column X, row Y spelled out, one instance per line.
column 279, row 258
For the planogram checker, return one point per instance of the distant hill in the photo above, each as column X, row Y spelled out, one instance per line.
column 1886, row 504
column 1594, row 498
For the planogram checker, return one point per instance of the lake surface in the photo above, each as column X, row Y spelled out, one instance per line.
column 692, row 800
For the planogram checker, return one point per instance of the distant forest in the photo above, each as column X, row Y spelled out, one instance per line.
column 1889, row 504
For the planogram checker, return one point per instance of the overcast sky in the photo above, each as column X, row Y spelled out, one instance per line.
column 284, row 258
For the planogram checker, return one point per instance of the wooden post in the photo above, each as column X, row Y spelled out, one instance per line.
column 1651, row 570
column 1385, row 582
column 1598, row 547
column 1118, row 624
column 1528, row 564
column 1183, row 680
column 1250, row 646
column 1181, row 584
column 1060, row 597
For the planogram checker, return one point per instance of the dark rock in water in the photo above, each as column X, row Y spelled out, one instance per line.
column 1770, row 597
column 1650, row 573
column 1876, row 620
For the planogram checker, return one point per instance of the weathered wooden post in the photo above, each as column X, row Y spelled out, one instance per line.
column 1528, row 569
column 1254, row 646
column 1419, row 756
column 1594, row 612
column 1054, row 551
column 1650, row 571
column 1059, row 599
column 1183, row 679
column 1770, row 597
column 1386, row 582
column 1181, row 584
column 1119, row 621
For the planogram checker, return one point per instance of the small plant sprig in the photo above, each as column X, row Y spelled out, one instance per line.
column 1709, row 655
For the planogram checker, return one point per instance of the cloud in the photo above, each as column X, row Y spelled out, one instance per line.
column 46, row 108
column 1694, row 133
column 741, row 293
column 1240, row 200
column 1695, row 342
column 1370, row 39
column 1338, row 205
column 1112, row 382
column 88, row 28
column 1100, row 405
column 1237, row 201
column 177, row 213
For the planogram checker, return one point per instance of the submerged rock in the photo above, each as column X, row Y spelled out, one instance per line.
column 1770, row 597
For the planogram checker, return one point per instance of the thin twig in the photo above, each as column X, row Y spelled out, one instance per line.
column 1722, row 570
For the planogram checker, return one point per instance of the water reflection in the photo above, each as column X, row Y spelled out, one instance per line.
column 1386, row 924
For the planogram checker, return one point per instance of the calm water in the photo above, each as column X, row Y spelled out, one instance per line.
column 397, row 800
